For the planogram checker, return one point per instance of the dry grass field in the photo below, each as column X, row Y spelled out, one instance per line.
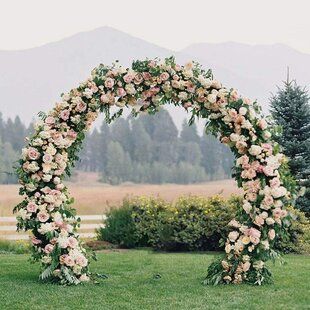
column 92, row 197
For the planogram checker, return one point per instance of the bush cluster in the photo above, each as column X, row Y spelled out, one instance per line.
column 191, row 223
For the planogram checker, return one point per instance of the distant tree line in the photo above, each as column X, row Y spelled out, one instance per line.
column 147, row 149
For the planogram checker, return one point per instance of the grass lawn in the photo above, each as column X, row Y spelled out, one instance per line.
column 132, row 285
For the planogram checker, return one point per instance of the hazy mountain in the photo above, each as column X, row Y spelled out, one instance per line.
column 31, row 80
column 255, row 70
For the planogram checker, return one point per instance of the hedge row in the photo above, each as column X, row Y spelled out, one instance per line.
column 191, row 223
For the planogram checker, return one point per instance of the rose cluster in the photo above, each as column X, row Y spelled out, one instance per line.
column 149, row 84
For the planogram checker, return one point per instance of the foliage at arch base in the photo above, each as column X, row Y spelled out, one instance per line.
column 52, row 150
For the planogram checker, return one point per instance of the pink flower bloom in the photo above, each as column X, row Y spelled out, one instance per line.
column 64, row 114
column 259, row 221
column 121, row 92
column 43, row 216
column 275, row 182
column 72, row 242
column 164, row 76
column 262, row 124
column 48, row 248
column 146, row 75
column 33, row 154
column 50, row 120
column 47, row 158
column 69, row 261
column 35, row 241
column 81, row 260
column 128, row 78
column 71, row 134
column 32, row 207
column 81, row 106
column 252, row 232
column 271, row 234
column 268, row 171
column 109, row 83
column 277, row 212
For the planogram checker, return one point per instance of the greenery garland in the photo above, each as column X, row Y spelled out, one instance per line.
column 148, row 85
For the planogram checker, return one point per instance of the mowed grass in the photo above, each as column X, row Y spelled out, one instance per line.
column 132, row 284
column 92, row 197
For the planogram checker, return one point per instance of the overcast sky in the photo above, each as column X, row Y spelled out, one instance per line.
column 172, row 24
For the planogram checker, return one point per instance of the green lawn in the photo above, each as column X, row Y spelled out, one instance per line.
column 132, row 285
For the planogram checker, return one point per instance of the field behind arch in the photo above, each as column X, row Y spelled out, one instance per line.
column 92, row 197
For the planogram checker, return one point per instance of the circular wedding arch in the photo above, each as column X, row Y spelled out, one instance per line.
column 52, row 150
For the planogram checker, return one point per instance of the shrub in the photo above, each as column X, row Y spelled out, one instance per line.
column 298, row 238
column 191, row 223
column 119, row 227
column 195, row 223
column 15, row 247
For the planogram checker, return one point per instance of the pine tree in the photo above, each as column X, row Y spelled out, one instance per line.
column 290, row 110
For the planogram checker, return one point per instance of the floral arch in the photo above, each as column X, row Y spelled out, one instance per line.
column 149, row 84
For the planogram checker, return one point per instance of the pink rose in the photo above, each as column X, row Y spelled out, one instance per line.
column 71, row 134
column 47, row 158
column 121, row 92
column 268, row 171
column 50, row 120
column 164, row 76
column 275, row 182
column 42, row 216
column 72, row 242
column 33, row 153
column 252, row 232
column 81, row 261
column 138, row 78
column 271, row 234
column 48, row 248
column 262, row 124
column 109, row 83
column 32, row 207
column 69, row 261
column 64, row 114
column 146, row 75
column 35, row 241
column 81, row 106
column 259, row 221
column 128, row 78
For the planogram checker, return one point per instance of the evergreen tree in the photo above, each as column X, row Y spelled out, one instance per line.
column 118, row 167
column 290, row 110
column 189, row 133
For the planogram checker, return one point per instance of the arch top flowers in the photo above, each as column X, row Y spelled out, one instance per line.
column 52, row 150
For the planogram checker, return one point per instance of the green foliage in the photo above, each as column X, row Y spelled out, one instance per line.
column 16, row 247
column 291, row 113
column 298, row 238
column 191, row 223
column 119, row 227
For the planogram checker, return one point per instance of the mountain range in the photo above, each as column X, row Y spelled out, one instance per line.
column 32, row 80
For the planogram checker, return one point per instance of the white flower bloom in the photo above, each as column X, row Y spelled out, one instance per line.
column 278, row 192
column 255, row 150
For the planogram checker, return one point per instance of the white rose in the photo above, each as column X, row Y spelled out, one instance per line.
column 243, row 111
column 211, row 98
column 266, row 135
column 232, row 236
column 278, row 192
column 255, row 150
column 247, row 206
column 269, row 221
column 46, row 177
column 44, row 135
column 234, row 137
